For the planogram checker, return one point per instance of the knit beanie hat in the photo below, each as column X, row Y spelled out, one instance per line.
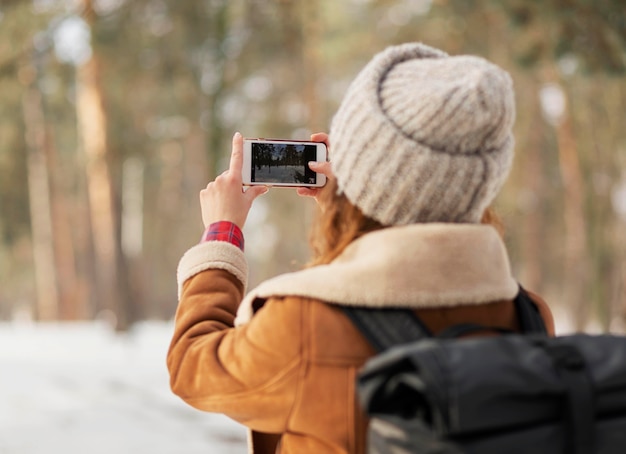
column 421, row 136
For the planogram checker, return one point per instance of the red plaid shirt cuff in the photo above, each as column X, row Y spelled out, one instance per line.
column 224, row 231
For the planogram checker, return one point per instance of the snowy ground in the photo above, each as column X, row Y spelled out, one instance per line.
column 280, row 174
column 82, row 389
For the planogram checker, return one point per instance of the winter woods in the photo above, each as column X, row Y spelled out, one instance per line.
column 114, row 114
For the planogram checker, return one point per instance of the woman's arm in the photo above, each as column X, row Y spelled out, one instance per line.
column 250, row 372
column 214, row 366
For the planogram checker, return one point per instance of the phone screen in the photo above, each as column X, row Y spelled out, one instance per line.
column 284, row 163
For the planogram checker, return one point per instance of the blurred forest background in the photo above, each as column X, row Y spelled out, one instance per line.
column 115, row 113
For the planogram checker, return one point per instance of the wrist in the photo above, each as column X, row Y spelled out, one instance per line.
column 224, row 231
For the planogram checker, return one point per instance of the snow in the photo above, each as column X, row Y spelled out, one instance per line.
column 81, row 388
column 280, row 174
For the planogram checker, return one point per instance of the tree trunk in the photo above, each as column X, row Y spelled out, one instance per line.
column 47, row 306
column 72, row 304
column 114, row 296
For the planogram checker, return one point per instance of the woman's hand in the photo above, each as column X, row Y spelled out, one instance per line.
column 319, row 167
column 224, row 199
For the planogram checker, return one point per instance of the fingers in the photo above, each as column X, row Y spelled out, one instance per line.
column 318, row 167
column 320, row 137
column 236, row 156
column 224, row 198
column 306, row 192
column 321, row 167
column 254, row 191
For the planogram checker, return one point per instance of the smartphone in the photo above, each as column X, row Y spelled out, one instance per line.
column 273, row 162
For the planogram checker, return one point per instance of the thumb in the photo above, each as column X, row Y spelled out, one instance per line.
column 254, row 191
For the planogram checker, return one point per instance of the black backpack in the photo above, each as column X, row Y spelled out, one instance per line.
column 509, row 394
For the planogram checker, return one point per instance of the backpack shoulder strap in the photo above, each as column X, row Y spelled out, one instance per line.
column 530, row 319
column 384, row 328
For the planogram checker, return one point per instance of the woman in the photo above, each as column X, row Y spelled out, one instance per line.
column 421, row 144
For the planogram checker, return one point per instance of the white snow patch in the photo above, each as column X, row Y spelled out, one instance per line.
column 77, row 388
column 281, row 174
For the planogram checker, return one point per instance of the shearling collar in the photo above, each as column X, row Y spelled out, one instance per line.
column 418, row 266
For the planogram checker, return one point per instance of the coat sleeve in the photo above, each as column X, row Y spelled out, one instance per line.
column 249, row 373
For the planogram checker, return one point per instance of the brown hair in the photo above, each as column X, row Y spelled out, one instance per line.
column 338, row 223
column 490, row 217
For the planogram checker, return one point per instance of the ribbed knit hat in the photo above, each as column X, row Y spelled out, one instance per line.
column 421, row 136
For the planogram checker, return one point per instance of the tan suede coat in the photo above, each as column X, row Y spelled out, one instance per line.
column 288, row 370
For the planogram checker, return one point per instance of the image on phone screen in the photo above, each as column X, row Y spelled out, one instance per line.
column 282, row 163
